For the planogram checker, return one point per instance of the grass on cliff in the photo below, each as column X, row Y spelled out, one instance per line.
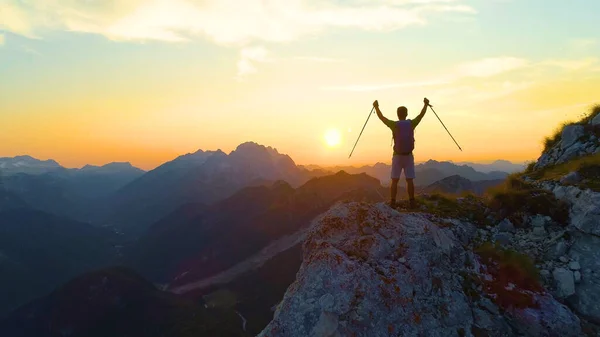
column 588, row 168
column 465, row 206
column 516, row 197
column 550, row 141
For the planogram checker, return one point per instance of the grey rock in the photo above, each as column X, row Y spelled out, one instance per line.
column 556, row 250
column 546, row 275
column 577, row 276
column 574, row 265
column 585, row 210
column 563, row 259
column 571, row 178
column 574, row 151
column 375, row 296
column 488, row 305
column 402, row 260
column 586, row 250
column 326, row 302
column 539, row 232
column 503, row 238
column 327, row 325
column 538, row 221
column 595, row 120
column 565, row 283
column 506, row 226
column 570, row 135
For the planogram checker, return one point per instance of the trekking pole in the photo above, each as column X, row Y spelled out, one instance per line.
column 361, row 131
column 438, row 117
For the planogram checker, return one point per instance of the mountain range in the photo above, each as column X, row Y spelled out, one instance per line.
column 39, row 251
column 117, row 302
column 427, row 172
column 196, row 241
column 202, row 223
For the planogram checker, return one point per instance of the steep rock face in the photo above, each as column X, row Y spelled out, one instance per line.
column 574, row 141
column 371, row 271
column 583, row 247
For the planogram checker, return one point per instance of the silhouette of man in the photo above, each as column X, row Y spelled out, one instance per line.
column 404, row 143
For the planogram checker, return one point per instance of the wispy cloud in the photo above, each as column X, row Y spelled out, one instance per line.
column 248, row 59
column 489, row 67
column 377, row 87
column 584, row 43
column 572, row 64
column 318, row 59
column 229, row 22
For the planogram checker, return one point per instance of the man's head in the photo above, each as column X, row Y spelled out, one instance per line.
column 402, row 112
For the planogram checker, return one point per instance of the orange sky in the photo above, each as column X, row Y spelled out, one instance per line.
column 146, row 81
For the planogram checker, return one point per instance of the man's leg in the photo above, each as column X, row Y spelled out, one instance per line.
column 410, row 186
column 409, row 172
column 396, row 171
column 394, row 192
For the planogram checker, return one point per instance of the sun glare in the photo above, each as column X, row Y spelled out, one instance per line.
column 333, row 137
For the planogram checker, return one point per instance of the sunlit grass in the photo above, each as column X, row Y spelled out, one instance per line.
column 588, row 168
column 552, row 140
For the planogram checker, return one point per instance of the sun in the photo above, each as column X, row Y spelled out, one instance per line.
column 333, row 137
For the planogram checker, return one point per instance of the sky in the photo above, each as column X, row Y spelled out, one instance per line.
column 93, row 82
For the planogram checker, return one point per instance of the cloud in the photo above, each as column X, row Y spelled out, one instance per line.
column 487, row 67
column 377, row 87
column 318, row 59
column 583, row 43
column 226, row 22
column 490, row 66
column 248, row 58
column 1, row 39
column 572, row 64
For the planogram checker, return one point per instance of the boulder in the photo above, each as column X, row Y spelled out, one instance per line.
column 570, row 135
column 565, row 283
column 503, row 238
column 585, row 210
column 375, row 295
column 595, row 120
column 570, row 179
column 506, row 226
column 586, row 250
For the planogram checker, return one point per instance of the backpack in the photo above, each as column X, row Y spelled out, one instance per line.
column 403, row 134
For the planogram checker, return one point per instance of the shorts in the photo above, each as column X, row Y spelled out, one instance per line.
column 403, row 162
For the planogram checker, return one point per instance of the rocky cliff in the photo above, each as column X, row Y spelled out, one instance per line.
column 369, row 270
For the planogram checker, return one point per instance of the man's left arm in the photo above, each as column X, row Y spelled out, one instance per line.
column 417, row 120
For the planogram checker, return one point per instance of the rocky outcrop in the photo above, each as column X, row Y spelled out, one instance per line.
column 574, row 141
column 371, row 271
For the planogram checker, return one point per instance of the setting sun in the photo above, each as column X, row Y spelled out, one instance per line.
column 333, row 137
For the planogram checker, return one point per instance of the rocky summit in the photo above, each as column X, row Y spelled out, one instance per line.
column 369, row 270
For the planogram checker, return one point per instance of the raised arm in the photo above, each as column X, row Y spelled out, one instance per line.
column 417, row 120
column 380, row 115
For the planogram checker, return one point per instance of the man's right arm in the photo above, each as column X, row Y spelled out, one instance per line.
column 385, row 121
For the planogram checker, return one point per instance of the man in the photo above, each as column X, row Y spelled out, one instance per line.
column 404, row 143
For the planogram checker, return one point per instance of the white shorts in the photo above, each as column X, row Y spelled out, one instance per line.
column 403, row 162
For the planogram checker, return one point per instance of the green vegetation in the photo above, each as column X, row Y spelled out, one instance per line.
column 466, row 206
column 550, row 141
column 514, row 276
column 516, row 197
column 588, row 168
